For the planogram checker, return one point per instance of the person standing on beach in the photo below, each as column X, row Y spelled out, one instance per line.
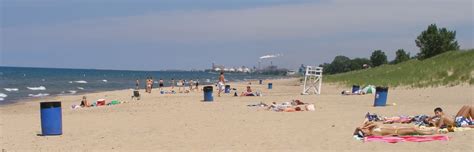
column 221, row 84
column 161, row 85
column 172, row 84
column 184, row 85
column 197, row 85
column 191, row 83
column 146, row 84
column 137, row 84
column 179, row 84
column 149, row 84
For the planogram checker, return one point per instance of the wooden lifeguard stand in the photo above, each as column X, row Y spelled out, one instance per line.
column 313, row 79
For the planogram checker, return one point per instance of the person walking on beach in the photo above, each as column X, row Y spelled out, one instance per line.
column 161, row 85
column 221, row 84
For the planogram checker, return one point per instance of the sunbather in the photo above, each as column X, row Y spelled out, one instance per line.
column 358, row 92
column 248, row 92
column 462, row 119
column 372, row 129
column 84, row 102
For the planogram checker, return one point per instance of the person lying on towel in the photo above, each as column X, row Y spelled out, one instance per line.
column 462, row 119
column 372, row 129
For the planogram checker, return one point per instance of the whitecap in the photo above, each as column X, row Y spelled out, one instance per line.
column 39, row 95
column 80, row 88
column 80, row 81
column 104, row 80
column 72, row 91
column 70, row 81
column 3, row 95
column 37, row 88
column 11, row 89
column 1, row 99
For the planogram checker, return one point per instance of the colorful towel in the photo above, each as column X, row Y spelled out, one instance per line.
column 392, row 139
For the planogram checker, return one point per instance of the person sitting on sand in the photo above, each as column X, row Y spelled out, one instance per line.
column 248, row 92
column 371, row 129
column 462, row 119
column 84, row 102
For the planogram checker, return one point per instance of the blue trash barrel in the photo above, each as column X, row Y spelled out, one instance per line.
column 227, row 89
column 380, row 96
column 51, row 118
column 208, row 93
column 355, row 88
column 260, row 81
column 270, row 85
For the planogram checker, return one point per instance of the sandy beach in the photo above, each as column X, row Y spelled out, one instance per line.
column 182, row 122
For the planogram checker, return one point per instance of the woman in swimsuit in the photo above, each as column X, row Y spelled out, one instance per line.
column 84, row 102
column 372, row 129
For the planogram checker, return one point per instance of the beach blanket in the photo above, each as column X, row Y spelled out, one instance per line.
column 391, row 139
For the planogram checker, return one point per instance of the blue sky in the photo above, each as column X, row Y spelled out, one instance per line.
column 179, row 34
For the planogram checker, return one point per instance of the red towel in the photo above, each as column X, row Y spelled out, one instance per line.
column 395, row 139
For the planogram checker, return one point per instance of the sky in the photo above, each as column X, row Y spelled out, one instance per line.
column 192, row 34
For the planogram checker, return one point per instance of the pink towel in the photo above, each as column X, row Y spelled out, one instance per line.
column 395, row 139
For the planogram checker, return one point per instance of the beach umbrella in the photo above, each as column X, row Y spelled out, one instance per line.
column 369, row 89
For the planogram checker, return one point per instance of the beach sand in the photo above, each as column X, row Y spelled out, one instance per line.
column 182, row 122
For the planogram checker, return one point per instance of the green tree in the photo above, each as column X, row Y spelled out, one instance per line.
column 378, row 58
column 401, row 56
column 340, row 64
column 435, row 41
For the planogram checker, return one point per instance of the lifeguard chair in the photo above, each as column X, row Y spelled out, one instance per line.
column 313, row 79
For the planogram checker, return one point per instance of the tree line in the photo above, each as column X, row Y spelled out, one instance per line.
column 432, row 41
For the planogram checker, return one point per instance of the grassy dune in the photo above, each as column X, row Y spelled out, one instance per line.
column 447, row 69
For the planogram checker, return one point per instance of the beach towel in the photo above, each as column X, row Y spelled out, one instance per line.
column 391, row 139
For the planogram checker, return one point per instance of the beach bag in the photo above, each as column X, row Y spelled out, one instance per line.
column 310, row 107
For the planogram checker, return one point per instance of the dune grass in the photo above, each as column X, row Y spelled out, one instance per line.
column 447, row 69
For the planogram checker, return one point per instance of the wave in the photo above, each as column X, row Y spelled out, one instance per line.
column 80, row 81
column 3, row 95
column 39, row 95
column 80, row 88
column 11, row 89
column 104, row 81
column 72, row 91
column 37, row 88
column 1, row 99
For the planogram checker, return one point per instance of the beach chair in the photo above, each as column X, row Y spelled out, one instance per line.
column 136, row 94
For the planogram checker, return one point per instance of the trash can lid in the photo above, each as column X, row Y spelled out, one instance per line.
column 381, row 88
column 50, row 104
